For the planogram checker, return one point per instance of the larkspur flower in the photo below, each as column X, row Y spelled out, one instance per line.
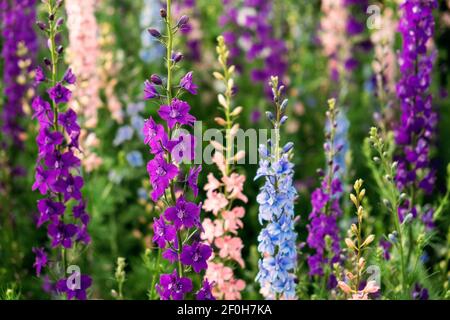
column 41, row 260
column 183, row 214
column 276, row 207
column 205, row 291
column 176, row 112
column 57, row 170
column 163, row 232
column 71, row 289
column 171, row 286
column 187, row 84
column 196, row 255
column 170, row 174
column 59, row 93
column 414, row 133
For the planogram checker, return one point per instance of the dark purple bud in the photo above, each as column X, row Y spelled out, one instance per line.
column 59, row 22
column 41, row 25
column 183, row 21
column 269, row 115
column 156, row 79
column 59, row 3
column 163, row 13
column 60, row 49
column 177, row 57
column 51, row 17
column 283, row 119
column 154, row 33
column 47, row 62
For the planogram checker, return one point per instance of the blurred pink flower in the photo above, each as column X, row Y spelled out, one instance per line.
column 212, row 229
column 213, row 184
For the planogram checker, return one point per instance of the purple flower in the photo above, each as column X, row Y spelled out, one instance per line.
column 49, row 210
column 170, row 255
column 154, row 135
column 62, row 162
column 44, row 180
column 196, row 256
column 205, row 291
column 70, row 186
column 69, row 121
column 79, row 212
column 419, row 293
column 171, row 286
column 149, row 91
column 177, row 112
column 62, row 234
column 163, row 232
column 192, row 179
column 39, row 75
column 69, row 76
column 40, row 261
column 161, row 173
column 42, row 111
column 187, row 84
column 75, row 290
column 59, row 93
column 47, row 140
column 183, row 214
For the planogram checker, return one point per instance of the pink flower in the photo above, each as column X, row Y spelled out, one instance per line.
column 232, row 289
column 234, row 185
column 214, row 202
column 219, row 160
column 218, row 273
column 232, row 219
column 212, row 229
column 230, row 247
column 213, row 184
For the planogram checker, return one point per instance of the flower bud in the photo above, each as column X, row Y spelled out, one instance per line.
column 177, row 57
column 283, row 119
column 288, row 147
column 59, row 22
column 163, row 13
column 60, row 49
column 269, row 115
column 284, row 105
column 41, row 25
column 155, row 79
column 154, row 33
column 182, row 21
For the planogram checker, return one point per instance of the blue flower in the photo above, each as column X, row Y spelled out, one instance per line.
column 124, row 133
column 135, row 159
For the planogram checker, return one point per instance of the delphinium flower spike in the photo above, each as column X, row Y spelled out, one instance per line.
column 221, row 194
column 57, row 168
column 357, row 245
column 277, row 240
column 83, row 55
column 416, row 129
column 177, row 231
column 323, row 232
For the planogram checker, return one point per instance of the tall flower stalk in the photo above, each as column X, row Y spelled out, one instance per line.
column 416, row 129
column 177, row 231
column 57, row 167
column 323, row 232
column 277, row 240
column 222, row 231
column 84, row 54
column 19, row 53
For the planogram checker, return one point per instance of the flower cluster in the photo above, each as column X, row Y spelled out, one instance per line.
column 277, row 240
column 57, row 170
column 18, row 53
column 177, row 230
column 223, row 229
column 83, row 54
column 418, row 120
column 251, row 34
column 323, row 232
